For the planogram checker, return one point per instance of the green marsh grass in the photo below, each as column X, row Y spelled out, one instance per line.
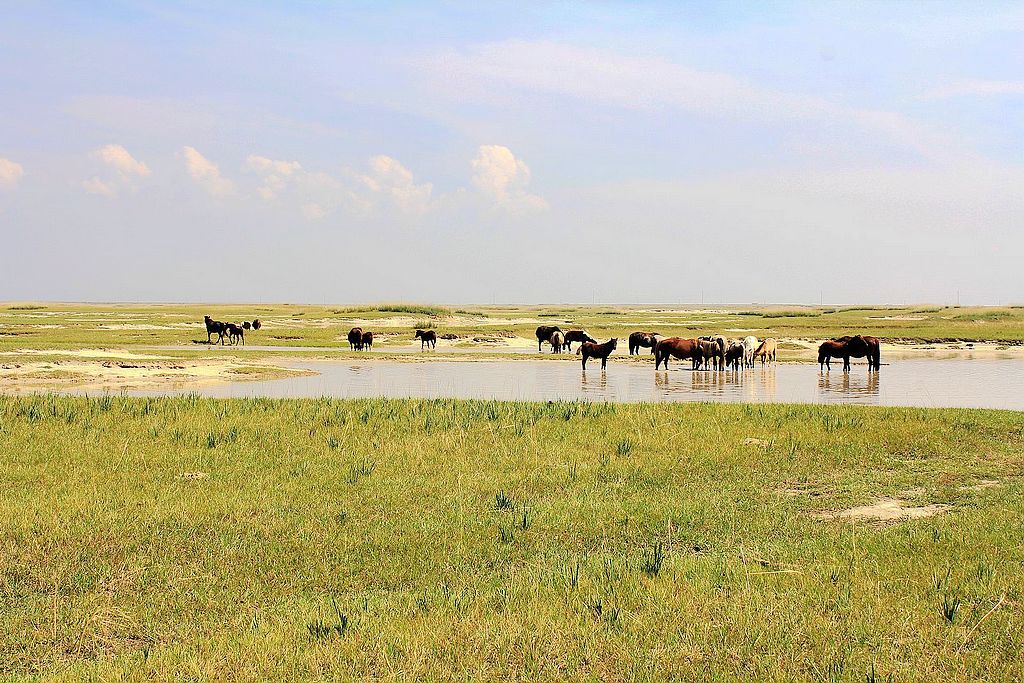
column 516, row 541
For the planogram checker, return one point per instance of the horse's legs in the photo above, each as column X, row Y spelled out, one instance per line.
column 584, row 360
column 604, row 362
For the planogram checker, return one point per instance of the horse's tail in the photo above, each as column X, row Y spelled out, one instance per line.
column 579, row 349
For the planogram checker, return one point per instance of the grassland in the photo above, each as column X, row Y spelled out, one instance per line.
column 69, row 326
column 192, row 539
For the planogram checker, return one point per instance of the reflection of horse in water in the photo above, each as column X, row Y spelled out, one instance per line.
column 847, row 384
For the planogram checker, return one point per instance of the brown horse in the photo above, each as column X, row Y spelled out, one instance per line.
column 644, row 339
column 544, row 333
column 850, row 347
column 595, row 350
column 367, row 340
column 767, row 351
column 676, row 347
column 577, row 336
column 716, row 351
column 427, row 338
column 557, row 341
column 256, row 324
column 355, row 339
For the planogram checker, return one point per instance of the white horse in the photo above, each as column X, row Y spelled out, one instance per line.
column 557, row 341
column 750, row 345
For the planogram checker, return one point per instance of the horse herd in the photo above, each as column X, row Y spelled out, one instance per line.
column 233, row 332
column 359, row 340
column 709, row 352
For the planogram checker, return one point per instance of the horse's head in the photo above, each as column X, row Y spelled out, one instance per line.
column 613, row 343
column 419, row 334
column 588, row 338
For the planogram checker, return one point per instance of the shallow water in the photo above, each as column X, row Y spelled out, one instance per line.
column 927, row 383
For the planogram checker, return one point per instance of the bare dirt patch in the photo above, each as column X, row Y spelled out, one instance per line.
column 886, row 510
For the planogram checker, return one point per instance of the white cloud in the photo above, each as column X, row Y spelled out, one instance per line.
column 10, row 173
column 503, row 178
column 96, row 185
column 389, row 178
column 313, row 211
column 206, row 173
column 119, row 158
column 645, row 83
column 976, row 88
column 276, row 174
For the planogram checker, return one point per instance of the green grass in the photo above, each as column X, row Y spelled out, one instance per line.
column 186, row 538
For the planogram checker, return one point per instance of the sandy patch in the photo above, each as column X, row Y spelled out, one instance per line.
column 751, row 441
column 896, row 317
column 885, row 510
column 123, row 374
column 83, row 353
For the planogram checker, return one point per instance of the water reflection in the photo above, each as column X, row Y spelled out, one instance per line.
column 850, row 384
column 952, row 383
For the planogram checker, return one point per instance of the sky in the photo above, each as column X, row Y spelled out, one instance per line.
column 641, row 152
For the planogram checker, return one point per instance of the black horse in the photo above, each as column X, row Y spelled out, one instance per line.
column 544, row 333
column 427, row 338
column 214, row 327
column 577, row 336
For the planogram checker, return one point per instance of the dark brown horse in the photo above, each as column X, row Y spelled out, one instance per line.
column 716, row 351
column 676, row 347
column 641, row 339
column 235, row 333
column 256, row 324
column 595, row 350
column 577, row 336
column 427, row 338
column 734, row 355
column 214, row 327
column 367, row 340
column 355, row 339
column 544, row 333
column 850, row 347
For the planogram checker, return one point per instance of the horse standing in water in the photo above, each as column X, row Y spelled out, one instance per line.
column 734, row 355
column 767, row 351
column 544, row 333
column 676, row 347
column 595, row 350
column 750, row 345
column 427, row 338
column 367, row 340
column 850, row 347
column 641, row 339
column 577, row 336
column 557, row 341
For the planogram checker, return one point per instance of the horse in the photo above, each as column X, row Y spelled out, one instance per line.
column 847, row 347
column 595, row 350
column 246, row 325
column 355, row 339
column 871, row 348
column 644, row 339
column 734, row 355
column 577, row 336
column 544, row 333
column 235, row 333
column 557, row 340
column 678, row 347
column 256, row 324
column 367, row 340
column 427, row 337
column 213, row 326
column 767, row 351
column 750, row 345
column 708, row 350
column 719, row 353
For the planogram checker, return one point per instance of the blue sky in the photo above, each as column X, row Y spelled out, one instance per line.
column 537, row 152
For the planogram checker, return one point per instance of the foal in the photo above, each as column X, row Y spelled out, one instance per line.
column 595, row 350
